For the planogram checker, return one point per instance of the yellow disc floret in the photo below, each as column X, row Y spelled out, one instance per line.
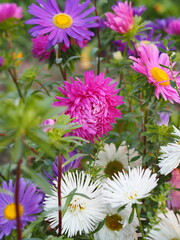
column 62, row 20
column 10, row 211
column 160, row 76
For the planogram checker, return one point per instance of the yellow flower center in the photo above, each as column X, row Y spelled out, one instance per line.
column 113, row 222
column 132, row 196
column 77, row 204
column 62, row 20
column 112, row 168
column 175, row 239
column 160, row 76
column 10, row 211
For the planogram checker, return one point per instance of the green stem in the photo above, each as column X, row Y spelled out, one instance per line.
column 63, row 71
column 140, row 223
column 14, row 78
column 90, row 236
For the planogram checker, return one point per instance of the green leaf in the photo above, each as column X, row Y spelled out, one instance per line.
column 131, row 217
column 38, row 180
column 68, row 200
column 78, row 155
column 121, row 208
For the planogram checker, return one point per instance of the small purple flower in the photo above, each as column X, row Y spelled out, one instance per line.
column 1, row 61
column 30, row 203
column 164, row 118
column 160, row 24
column 74, row 164
column 139, row 10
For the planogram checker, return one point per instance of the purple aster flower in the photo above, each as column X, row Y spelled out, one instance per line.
column 173, row 27
column 160, row 24
column 139, row 10
column 74, row 164
column 60, row 25
column 30, row 203
column 39, row 47
column 164, row 118
column 1, row 61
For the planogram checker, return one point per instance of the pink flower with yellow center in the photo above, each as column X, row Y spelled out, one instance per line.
column 149, row 63
column 92, row 103
column 122, row 19
column 10, row 10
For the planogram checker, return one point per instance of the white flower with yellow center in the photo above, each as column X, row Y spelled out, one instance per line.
column 170, row 159
column 129, row 188
column 86, row 208
column 116, row 225
column 112, row 161
column 168, row 228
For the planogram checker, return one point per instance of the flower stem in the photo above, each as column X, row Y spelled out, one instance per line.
column 63, row 71
column 59, row 193
column 90, row 236
column 99, row 42
column 14, row 78
column 140, row 223
column 18, row 220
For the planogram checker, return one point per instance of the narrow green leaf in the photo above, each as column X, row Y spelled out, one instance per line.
column 37, row 179
column 6, row 192
column 68, row 200
column 131, row 217
column 78, row 155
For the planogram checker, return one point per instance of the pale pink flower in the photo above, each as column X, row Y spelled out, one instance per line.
column 173, row 27
column 174, row 201
column 149, row 63
column 122, row 19
column 92, row 103
column 39, row 47
column 10, row 10
column 48, row 122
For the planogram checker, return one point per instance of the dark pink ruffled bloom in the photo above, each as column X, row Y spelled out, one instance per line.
column 92, row 103
column 122, row 19
column 1, row 61
column 39, row 47
column 174, row 202
column 173, row 27
column 149, row 63
column 10, row 10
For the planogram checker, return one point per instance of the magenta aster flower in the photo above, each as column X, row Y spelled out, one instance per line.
column 173, row 27
column 30, row 203
column 174, row 202
column 39, row 47
column 1, row 61
column 121, row 20
column 92, row 103
column 149, row 64
column 10, row 10
column 48, row 122
column 60, row 25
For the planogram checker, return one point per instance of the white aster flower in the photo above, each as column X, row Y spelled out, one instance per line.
column 168, row 228
column 112, row 161
column 83, row 213
column 170, row 159
column 128, row 188
column 116, row 226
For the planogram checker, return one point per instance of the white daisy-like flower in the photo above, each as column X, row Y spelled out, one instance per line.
column 170, row 159
column 168, row 228
column 129, row 188
column 112, row 161
column 84, row 212
column 116, row 226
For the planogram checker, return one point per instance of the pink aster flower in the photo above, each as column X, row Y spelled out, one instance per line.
column 73, row 22
column 92, row 103
column 173, row 27
column 48, row 122
column 149, row 63
column 174, row 201
column 39, row 47
column 122, row 19
column 10, row 10
column 1, row 61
